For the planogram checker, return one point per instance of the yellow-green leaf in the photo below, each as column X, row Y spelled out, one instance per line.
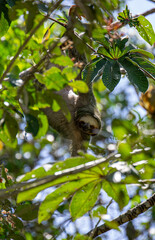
column 79, row 86
column 84, row 199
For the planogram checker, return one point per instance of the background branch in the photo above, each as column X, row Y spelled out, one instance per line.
column 126, row 217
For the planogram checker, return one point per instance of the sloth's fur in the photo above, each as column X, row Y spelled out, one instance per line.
column 85, row 118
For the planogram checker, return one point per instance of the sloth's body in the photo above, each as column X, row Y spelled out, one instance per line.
column 85, row 118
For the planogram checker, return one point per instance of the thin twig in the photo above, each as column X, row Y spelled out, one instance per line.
column 60, row 23
column 27, row 40
column 148, row 12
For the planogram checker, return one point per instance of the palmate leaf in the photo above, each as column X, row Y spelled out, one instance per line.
column 59, row 166
column 52, row 201
column 32, row 193
column 84, row 199
column 111, row 74
column 135, row 75
column 123, row 16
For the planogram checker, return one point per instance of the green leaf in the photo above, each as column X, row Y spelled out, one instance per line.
column 135, row 75
column 70, row 73
column 117, row 192
column 40, row 172
column 84, row 199
column 27, row 211
column 124, row 149
column 116, row 53
column 62, row 61
column 111, row 74
column 145, row 65
column 43, row 126
column 104, row 52
column 80, row 236
column 4, row 25
column 98, row 34
column 112, row 225
column 79, row 86
column 142, row 52
column 31, row 193
column 123, row 128
column 55, row 106
column 52, row 78
column 145, row 30
column 11, row 125
column 52, row 201
column 63, row 106
column 35, row 173
column 121, row 43
column 125, row 15
column 2, row 185
column 58, row 166
column 5, row 137
column 99, row 211
column 92, row 72
column 32, row 124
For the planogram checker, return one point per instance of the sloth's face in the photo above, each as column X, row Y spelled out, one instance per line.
column 89, row 125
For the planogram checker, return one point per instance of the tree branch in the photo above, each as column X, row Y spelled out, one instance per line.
column 57, row 3
column 148, row 12
column 118, row 24
column 126, row 217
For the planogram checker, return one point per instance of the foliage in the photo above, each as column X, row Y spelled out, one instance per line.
column 34, row 195
column 117, row 54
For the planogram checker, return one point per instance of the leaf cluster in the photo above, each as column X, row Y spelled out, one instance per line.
column 114, row 56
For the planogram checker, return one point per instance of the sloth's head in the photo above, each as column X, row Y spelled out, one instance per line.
column 88, row 120
column 89, row 125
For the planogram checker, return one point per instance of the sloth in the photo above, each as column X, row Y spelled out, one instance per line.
column 85, row 118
